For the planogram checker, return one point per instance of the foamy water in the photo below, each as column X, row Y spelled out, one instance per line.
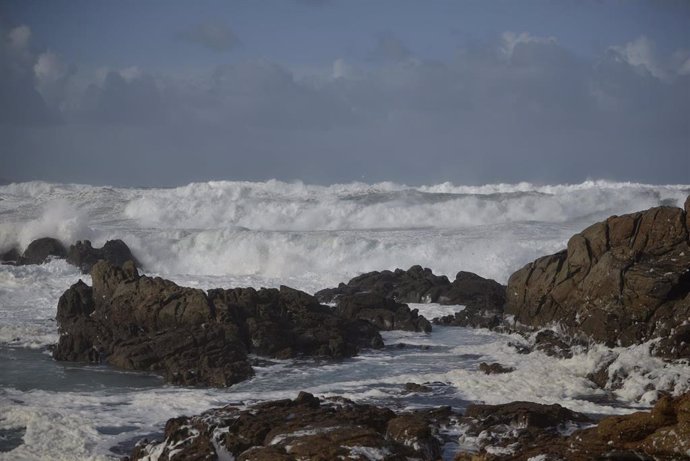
column 226, row 234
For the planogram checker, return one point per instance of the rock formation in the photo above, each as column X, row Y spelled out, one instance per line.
column 303, row 428
column 192, row 337
column 81, row 254
column 662, row 434
column 623, row 281
column 483, row 298
column 84, row 256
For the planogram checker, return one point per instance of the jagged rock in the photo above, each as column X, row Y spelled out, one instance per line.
column 84, row 256
column 499, row 431
column 385, row 313
column 494, row 368
column 191, row 337
column 483, row 299
column 41, row 249
column 622, row 282
column 414, row 285
column 662, row 434
column 551, row 344
column 417, row 285
column 304, row 428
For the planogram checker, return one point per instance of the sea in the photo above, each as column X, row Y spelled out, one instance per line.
column 265, row 234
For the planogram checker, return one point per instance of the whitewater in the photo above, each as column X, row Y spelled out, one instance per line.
column 266, row 234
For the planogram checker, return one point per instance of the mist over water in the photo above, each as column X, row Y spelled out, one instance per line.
column 231, row 234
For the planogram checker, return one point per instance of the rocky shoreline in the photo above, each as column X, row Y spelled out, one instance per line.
column 621, row 282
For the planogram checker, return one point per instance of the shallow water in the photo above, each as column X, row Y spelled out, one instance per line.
column 228, row 234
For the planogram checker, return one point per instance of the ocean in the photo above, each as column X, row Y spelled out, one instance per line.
column 266, row 234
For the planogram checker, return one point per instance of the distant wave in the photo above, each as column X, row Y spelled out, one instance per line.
column 323, row 234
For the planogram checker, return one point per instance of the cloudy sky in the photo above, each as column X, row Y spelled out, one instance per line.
column 167, row 92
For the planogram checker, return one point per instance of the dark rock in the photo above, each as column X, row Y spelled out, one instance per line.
column 623, row 281
column 84, row 256
column 414, row 285
column 515, row 426
column 494, row 368
column 414, row 387
column 194, row 338
column 550, row 343
column 600, row 376
column 41, row 249
column 662, row 434
column 484, row 299
column 304, row 428
column 10, row 256
column 385, row 313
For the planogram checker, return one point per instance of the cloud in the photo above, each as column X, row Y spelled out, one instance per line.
column 520, row 107
column 20, row 102
column 215, row 36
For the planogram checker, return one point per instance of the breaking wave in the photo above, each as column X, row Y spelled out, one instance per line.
column 321, row 235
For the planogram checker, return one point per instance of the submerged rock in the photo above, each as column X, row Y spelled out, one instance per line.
column 623, row 281
column 494, row 368
column 192, row 337
column 303, row 428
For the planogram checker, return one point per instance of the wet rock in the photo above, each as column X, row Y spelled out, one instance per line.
column 385, row 313
column 11, row 256
column 195, row 338
column 623, row 281
column 498, row 432
column 414, row 285
column 84, row 256
column 494, row 368
column 414, row 387
column 551, row 344
column 520, row 432
column 484, row 299
column 40, row 250
column 304, row 428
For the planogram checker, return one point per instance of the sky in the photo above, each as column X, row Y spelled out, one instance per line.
column 163, row 93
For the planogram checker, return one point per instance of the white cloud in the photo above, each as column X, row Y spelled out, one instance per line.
column 640, row 53
column 509, row 40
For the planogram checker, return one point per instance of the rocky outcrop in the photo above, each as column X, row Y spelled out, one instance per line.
column 483, row 298
column 661, row 434
column 84, row 256
column 623, row 281
column 81, row 254
column 40, row 250
column 385, row 313
column 192, row 337
column 303, row 428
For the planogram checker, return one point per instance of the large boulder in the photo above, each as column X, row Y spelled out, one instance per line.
column 303, row 428
column 84, row 256
column 40, row 250
column 192, row 337
column 623, row 281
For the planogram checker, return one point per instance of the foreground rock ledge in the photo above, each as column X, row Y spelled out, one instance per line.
column 309, row 428
column 305, row 428
column 192, row 337
column 623, row 281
